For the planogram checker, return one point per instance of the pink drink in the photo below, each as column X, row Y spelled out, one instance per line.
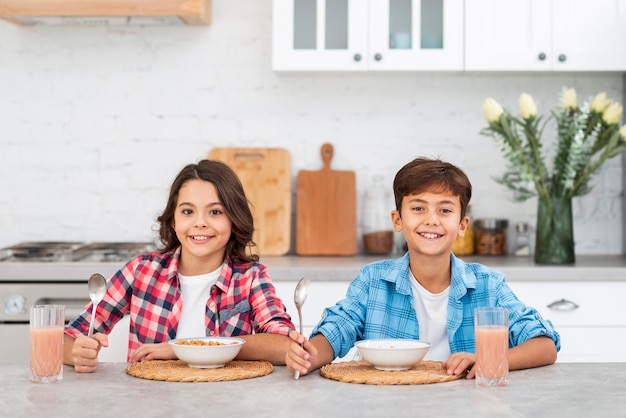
column 46, row 352
column 46, row 343
column 492, row 344
column 491, row 333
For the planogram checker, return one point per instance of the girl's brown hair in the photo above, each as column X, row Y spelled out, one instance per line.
column 232, row 196
column 424, row 174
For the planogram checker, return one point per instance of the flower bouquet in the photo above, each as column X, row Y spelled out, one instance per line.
column 586, row 137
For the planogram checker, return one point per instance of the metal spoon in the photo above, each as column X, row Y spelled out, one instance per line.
column 299, row 296
column 97, row 286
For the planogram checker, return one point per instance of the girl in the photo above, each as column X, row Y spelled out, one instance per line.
column 204, row 280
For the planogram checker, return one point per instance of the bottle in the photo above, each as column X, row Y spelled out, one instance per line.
column 522, row 240
column 377, row 227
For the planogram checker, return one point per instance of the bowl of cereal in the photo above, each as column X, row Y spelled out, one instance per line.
column 207, row 352
column 392, row 353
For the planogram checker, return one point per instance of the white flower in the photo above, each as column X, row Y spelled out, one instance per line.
column 613, row 113
column 527, row 107
column 492, row 110
column 622, row 132
column 600, row 103
column 568, row 99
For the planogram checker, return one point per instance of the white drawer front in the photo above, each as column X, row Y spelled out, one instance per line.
column 576, row 303
column 592, row 344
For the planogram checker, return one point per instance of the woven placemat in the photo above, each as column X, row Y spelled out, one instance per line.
column 179, row 371
column 425, row 371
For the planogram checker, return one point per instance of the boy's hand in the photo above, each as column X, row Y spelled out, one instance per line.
column 459, row 362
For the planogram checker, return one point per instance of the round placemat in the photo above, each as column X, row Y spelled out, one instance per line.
column 425, row 371
column 179, row 371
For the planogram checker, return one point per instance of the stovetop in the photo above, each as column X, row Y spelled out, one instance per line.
column 72, row 251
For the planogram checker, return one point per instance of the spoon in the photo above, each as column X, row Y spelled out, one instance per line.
column 299, row 296
column 97, row 286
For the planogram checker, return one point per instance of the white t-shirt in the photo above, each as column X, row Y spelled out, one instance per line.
column 432, row 315
column 195, row 293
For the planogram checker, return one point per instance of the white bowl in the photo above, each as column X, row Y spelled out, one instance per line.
column 202, row 355
column 392, row 353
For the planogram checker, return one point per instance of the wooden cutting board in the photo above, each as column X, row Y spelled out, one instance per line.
column 266, row 177
column 326, row 210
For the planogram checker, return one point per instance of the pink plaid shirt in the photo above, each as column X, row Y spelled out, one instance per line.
column 243, row 301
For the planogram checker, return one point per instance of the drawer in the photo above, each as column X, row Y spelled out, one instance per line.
column 575, row 303
column 592, row 344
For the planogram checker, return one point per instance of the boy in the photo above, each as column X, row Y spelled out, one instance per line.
column 428, row 293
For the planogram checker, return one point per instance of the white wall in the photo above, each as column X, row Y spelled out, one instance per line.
column 95, row 122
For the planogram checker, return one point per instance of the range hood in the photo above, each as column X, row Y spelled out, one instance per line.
column 106, row 12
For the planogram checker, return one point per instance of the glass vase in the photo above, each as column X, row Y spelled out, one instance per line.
column 554, row 242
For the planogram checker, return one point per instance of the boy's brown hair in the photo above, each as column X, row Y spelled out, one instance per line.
column 425, row 174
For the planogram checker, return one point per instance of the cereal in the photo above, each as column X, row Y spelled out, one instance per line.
column 203, row 343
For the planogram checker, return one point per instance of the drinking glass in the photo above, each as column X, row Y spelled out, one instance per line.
column 491, row 330
column 46, row 343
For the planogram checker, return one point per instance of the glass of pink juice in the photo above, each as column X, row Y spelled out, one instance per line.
column 491, row 333
column 46, row 343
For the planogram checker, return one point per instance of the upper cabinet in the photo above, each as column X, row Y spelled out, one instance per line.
column 545, row 35
column 367, row 35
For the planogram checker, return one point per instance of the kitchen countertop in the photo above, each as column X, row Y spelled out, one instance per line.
column 559, row 390
column 291, row 268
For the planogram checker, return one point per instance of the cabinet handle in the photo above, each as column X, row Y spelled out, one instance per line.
column 357, row 57
column 378, row 57
column 562, row 58
column 541, row 56
column 563, row 305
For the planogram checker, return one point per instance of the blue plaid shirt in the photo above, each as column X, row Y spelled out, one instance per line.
column 380, row 304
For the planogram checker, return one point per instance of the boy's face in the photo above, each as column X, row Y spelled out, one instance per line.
column 431, row 222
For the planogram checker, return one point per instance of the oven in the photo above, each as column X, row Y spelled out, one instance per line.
column 34, row 273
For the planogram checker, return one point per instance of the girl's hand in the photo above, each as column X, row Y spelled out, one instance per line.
column 459, row 362
column 299, row 357
column 85, row 352
column 161, row 351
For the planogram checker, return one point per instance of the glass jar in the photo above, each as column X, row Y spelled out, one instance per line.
column 376, row 218
column 491, row 236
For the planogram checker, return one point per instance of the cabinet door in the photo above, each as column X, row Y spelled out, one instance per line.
column 589, row 35
column 319, row 35
column 416, row 35
column 508, row 35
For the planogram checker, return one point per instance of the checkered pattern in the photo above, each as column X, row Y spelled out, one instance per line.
column 380, row 304
column 147, row 288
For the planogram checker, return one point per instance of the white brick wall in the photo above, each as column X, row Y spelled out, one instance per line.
column 95, row 122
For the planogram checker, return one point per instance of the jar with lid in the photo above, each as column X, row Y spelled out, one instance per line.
column 376, row 218
column 491, row 236
column 522, row 240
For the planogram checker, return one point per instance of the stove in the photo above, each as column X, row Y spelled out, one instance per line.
column 64, row 251
column 56, row 272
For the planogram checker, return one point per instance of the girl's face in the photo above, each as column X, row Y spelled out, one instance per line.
column 431, row 222
column 201, row 226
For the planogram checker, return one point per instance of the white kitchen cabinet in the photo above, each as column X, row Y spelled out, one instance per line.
column 367, row 35
column 590, row 316
column 322, row 294
column 545, row 35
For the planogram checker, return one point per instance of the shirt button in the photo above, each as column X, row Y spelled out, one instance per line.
column 212, row 305
column 212, row 332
